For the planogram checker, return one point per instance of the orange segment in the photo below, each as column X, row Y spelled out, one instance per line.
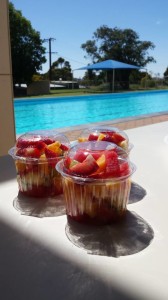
column 101, row 161
column 82, row 139
column 43, row 167
column 101, row 136
column 55, row 147
column 20, row 166
column 42, row 157
column 123, row 144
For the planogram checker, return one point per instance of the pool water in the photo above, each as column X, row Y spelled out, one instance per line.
column 50, row 113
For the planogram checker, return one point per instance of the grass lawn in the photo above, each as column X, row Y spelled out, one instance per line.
column 68, row 92
column 85, row 91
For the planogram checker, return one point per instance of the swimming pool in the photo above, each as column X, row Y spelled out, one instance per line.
column 50, row 113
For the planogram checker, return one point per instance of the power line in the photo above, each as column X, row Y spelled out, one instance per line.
column 70, row 59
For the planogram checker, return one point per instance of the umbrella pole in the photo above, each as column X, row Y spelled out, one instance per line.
column 113, row 78
column 72, row 80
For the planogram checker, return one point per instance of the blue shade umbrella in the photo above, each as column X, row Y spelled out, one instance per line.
column 109, row 65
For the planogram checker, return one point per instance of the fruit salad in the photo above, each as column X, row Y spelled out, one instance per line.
column 96, row 182
column 109, row 134
column 35, row 158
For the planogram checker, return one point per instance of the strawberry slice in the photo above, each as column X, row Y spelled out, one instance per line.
column 96, row 154
column 21, row 143
column 47, row 141
column 85, row 168
column 31, row 152
column 108, row 138
column 93, row 137
column 67, row 162
column 124, row 169
column 80, row 155
column 108, row 132
column 112, row 164
column 64, row 147
column 52, row 157
column 40, row 145
column 117, row 138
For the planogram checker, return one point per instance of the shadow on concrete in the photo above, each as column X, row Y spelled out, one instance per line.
column 30, row 270
column 7, row 168
column 137, row 193
column 129, row 236
column 40, row 207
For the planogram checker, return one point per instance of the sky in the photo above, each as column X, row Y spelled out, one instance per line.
column 72, row 23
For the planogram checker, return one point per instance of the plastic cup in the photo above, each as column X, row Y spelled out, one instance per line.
column 96, row 197
column 35, row 155
column 109, row 134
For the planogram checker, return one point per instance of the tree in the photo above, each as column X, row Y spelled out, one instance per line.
column 61, row 69
column 121, row 45
column 136, row 76
column 26, row 47
column 166, row 73
column 60, row 61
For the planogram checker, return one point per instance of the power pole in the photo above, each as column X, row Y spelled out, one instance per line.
column 49, row 40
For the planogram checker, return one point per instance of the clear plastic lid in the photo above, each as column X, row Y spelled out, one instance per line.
column 104, row 133
column 96, row 160
column 40, row 145
column 96, row 147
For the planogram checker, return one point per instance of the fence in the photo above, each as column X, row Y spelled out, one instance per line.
column 144, row 84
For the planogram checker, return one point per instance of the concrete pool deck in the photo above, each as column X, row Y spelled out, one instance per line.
column 73, row 132
column 76, row 261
